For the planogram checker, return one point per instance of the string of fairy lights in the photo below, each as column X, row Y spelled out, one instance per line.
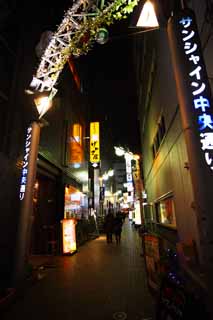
column 47, row 73
column 74, row 37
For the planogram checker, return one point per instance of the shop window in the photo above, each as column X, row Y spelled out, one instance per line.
column 159, row 136
column 165, row 212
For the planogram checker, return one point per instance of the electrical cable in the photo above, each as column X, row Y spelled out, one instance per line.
column 132, row 34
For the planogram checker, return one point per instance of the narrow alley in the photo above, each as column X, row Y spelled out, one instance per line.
column 101, row 281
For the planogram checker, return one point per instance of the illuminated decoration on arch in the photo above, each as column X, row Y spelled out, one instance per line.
column 75, row 36
column 195, row 81
column 102, row 36
column 94, row 142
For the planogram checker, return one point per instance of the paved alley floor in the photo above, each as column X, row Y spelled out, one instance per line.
column 101, row 281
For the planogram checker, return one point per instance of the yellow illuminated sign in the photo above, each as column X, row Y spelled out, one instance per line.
column 68, row 235
column 94, row 142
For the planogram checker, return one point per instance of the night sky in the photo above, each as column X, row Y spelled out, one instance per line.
column 111, row 87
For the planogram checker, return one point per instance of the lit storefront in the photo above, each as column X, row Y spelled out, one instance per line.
column 74, row 203
column 74, row 210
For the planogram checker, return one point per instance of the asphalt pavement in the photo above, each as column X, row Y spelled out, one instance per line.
column 101, row 281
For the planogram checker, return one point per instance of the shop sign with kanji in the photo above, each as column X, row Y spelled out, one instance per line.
column 199, row 88
column 25, row 165
column 94, row 142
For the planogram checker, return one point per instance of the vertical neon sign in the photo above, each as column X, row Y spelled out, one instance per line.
column 198, row 84
column 25, row 164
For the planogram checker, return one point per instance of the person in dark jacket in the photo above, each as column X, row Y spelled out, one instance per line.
column 118, row 222
column 108, row 226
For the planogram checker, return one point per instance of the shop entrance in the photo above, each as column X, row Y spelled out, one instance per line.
column 44, row 220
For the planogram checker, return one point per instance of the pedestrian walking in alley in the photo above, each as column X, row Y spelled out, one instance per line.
column 108, row 226
column 118, row 222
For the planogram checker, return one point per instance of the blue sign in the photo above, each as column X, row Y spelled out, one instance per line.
column 197, row 80
column 25, row 164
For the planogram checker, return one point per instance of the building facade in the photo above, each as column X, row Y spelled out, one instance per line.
column 62, row 175
column 170, row 210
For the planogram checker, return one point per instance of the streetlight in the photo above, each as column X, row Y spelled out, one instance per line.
column 111, row 173
column 194, row 97
column 105, row 177
column 27, row 183
column 147, row 16
column 43, row 103
column 119, row 151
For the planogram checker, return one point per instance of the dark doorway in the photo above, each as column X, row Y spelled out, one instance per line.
column 44, row 222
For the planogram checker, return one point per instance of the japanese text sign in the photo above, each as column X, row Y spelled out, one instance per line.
column 94, row 142
column 196, row 84
column 25, row 163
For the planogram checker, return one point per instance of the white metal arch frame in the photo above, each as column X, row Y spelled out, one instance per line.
column 55, row 55
column 47, row 75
